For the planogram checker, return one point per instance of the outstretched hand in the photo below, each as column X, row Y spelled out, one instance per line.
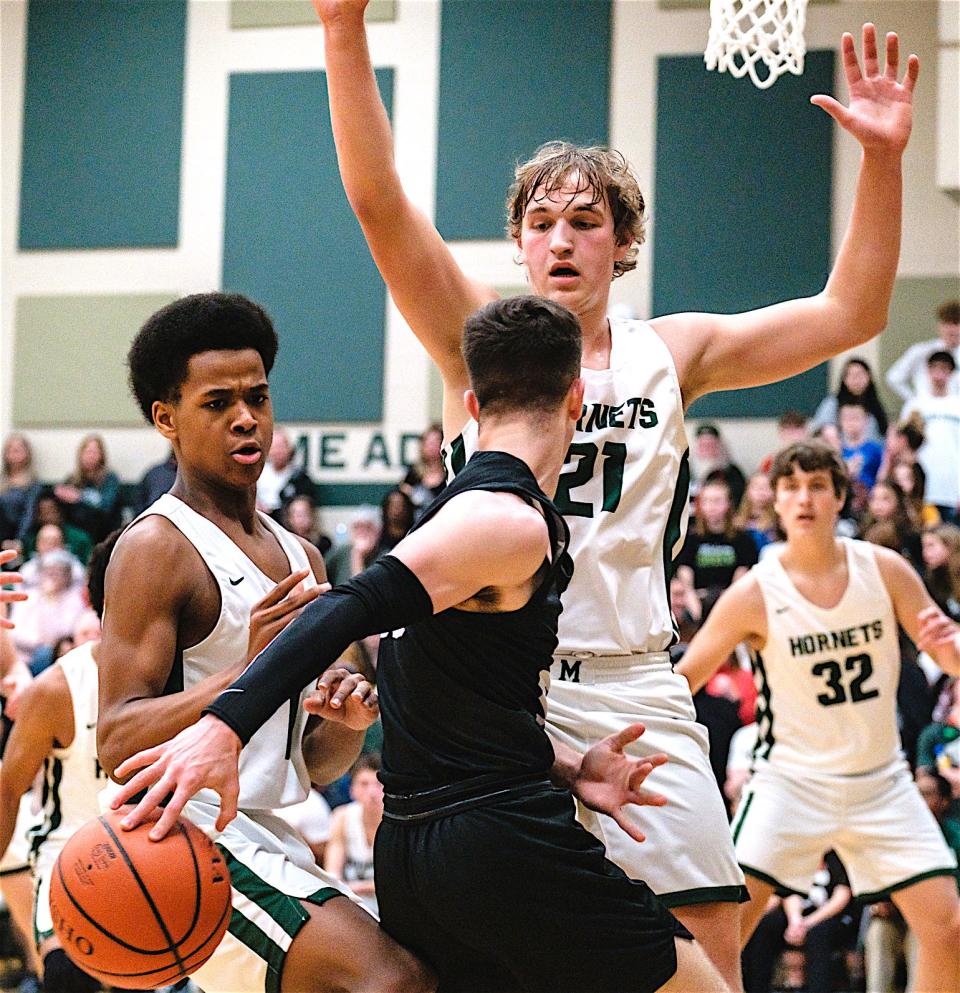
column 345, row 696
column 608, row 779
column 880, row 111
column 330, row 10
column 203, row 755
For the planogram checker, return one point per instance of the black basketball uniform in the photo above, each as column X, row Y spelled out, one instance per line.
column 481, row 866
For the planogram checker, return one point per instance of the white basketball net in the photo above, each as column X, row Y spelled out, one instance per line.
column 761, row 37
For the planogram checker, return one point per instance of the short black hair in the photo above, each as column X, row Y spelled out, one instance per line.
column 522, row 353
column 97, row 570
column 203, row 322
column 942, row 357
column 810, row 456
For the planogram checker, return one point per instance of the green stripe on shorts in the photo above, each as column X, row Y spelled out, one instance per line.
column 285, row 910
column 741, row 816
column 260, row 944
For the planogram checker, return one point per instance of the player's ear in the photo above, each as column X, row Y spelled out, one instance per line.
column 163, row 419
column 575, row 399
column 471, row 403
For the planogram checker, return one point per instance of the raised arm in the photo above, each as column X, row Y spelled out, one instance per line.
column 927, row 625
column 737, row 616
column 429, row 288
column 722, row 352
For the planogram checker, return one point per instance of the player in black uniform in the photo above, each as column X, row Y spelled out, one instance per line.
column 481, row 866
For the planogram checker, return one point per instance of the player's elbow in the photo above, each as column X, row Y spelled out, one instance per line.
column 111, row 749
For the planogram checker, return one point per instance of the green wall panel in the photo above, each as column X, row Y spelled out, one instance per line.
column 70, row 355
column 291, row 13
column 913, row 318
column 742, row 205
column 292, row 243
column 513, row 74
column 102, row 123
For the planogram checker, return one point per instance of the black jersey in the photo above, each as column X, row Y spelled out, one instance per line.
column 461, row 693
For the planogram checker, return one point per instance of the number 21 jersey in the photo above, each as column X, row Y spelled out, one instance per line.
column 623, row 493
column 827, row 679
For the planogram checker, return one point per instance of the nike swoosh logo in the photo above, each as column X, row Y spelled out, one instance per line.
column 90, row 727
column 236, row 582
column 781, row 610
column 233, row 689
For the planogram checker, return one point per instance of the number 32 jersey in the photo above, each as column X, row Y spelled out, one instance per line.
column 827, row 679
column 623, row 492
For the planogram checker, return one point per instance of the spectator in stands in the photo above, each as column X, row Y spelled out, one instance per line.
column 358, row 551
column 792, row 427
column 19, row 490
column 396, row 513
column 282, row 479
column 756, row 515
column 50, row 539
column 938, row 748
column 300, row 516
column 52, row 610
column 911, row 478
column 817, row 925
column 353, row 826
column 709, row 458
column 887, row 504
column 715, row 552
column 687, row 612
column 861, row 454
column 49, row 510
column 903, row 441
column 91, row 492
column 907, row 377
column 156, row 481
column 941, row 560
column 856, row 386
column 940, row 453
column 427, row 478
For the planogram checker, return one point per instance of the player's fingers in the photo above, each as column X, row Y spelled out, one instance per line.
column 281, row 589
column 625, row 736
column 323, row 588
column 138, row 761
column 833, row 107
column 893, row 55
column 12, row 596
column 851, row 65
column 912, row 74
column 228, row 805
column 345, row 689
column 628, row 826
column 8, row 556
column 151, row 801
column 871, row 63
column 170, row 814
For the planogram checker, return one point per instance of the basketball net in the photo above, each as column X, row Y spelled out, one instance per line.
column 762, row 38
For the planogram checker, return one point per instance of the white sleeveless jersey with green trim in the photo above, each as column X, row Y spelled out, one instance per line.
column 72, row 776
column 272, row 770
column 624, row 493
column 827, row 679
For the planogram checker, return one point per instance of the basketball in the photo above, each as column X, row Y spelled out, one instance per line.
column 137, row 913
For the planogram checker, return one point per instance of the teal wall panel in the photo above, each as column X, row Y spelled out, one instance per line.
column 513, row 74
column 102, row 123
column 292, row 243
column 742, row 205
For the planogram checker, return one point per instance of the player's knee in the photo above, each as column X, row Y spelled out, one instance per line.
column 60, row 975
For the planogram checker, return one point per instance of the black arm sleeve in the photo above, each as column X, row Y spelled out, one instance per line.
column 384, row 597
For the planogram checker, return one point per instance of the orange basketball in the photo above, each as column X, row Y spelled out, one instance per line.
column 137, row 913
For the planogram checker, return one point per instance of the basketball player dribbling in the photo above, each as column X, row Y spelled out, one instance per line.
column 821, row 617
column 480, row 864
column 577, row 218
column 181, row 586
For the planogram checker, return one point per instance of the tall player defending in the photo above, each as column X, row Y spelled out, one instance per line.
column 821, row 618
column 181, row 587
column 577, row 217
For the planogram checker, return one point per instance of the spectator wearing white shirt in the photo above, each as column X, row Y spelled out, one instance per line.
column 907, row 377
column 940, row 453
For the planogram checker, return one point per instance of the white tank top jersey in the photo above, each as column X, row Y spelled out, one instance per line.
column 272, row 770
column 72, row 776
column 624, row 494
column 827, row 679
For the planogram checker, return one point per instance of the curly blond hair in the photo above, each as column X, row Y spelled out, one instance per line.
column 600, row 171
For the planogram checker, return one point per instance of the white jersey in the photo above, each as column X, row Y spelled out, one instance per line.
column 72, row 776
column 272, row 770
column 827, row 679
column 624, row 495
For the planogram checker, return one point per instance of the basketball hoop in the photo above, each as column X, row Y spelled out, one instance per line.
column 748, row 35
